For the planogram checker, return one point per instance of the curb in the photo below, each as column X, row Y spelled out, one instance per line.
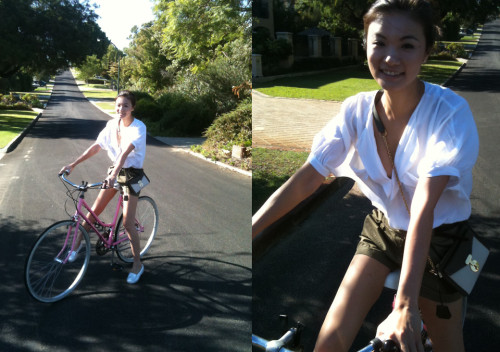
column 15, row 142
column 445, row 84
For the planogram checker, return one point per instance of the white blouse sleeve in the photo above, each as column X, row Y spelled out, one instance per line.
column 138, row 138
column 332, row 144
column 104, row 138
column 452, row 146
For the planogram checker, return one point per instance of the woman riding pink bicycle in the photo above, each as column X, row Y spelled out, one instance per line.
column 124, row 139
column 411, row 148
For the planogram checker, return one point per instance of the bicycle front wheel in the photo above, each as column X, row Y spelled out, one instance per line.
column 50, row 274
column 146, row 223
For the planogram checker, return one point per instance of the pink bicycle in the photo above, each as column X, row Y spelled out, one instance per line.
column 50, row 273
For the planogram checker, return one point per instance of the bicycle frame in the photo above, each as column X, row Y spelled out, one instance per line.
column 79, row 214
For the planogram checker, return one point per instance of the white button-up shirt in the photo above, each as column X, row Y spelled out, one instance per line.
column 440, row 139
column 135, row 134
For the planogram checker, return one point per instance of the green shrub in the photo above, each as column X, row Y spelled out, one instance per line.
column 189, row 119
column 443, row 55
column 32, row 100
column 10, row 99
column 139, row 95
column 146, row 109
column 172, row 100
column 20, row 105
column 457, row 50
column 232, row 128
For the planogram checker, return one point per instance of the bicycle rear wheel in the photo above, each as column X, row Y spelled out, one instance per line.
column 146, row 222
column 49, row 275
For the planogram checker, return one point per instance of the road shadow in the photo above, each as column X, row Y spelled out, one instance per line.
column 106, row 314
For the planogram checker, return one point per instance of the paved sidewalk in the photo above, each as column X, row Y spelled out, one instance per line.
column 288, row 124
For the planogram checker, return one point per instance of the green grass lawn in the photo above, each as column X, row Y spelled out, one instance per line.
column 271, row 168
column 99, row 94
column 107, row 106
column 340, row 84
column 12, row 122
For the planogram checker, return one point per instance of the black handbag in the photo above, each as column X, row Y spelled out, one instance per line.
column 134, row 178
column 139, row 182
column 462, row 264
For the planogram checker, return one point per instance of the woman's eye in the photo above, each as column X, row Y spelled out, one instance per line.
column 378, row 43
column 408, row 46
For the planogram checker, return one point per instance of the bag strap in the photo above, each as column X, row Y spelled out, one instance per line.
column 383, row 132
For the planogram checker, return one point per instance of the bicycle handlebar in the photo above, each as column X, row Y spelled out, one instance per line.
column 83, row 186
column 291, row 339
column 378, row 346
column 275, row 345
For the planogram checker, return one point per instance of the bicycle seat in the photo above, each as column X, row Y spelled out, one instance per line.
column 392, row 280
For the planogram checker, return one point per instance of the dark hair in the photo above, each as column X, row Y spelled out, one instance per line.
column 418, row 10
column 127, row 94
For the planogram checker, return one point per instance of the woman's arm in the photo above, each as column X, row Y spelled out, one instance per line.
column 418, row 238
column 406, row 323
column 90, row 152
column 301, row 185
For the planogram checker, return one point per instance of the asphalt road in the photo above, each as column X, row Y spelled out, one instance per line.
column 300, row 274
column 196, row 290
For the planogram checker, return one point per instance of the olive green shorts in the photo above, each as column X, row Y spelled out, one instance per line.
column 123, row 178
column 386, row 245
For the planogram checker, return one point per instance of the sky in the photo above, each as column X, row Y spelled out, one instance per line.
column 117, row 17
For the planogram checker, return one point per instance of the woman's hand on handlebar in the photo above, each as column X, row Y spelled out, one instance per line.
column 403, row 326
column 66, row 169
column 109, row 182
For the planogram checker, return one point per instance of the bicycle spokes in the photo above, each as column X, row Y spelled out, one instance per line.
column 49, row 273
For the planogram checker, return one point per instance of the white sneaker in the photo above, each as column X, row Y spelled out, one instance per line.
column 74, row 254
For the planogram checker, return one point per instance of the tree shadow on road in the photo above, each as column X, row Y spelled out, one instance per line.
column 182, row 302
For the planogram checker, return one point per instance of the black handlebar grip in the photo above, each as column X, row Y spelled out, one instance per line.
column 390, row 346
column 377, row 344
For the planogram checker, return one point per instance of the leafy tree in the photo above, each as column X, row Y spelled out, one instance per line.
column 45, row 35
column 340, row 17
column 196, row 31
column 148, row 66
column 90, row 68
column 345, row 17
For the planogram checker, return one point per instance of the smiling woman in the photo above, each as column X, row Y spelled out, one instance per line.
column 415, row 167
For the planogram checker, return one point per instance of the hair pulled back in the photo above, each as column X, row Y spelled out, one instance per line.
column 418, row 10
column 127, row 94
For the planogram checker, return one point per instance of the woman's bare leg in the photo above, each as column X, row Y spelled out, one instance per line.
column 129, row 209
column 360, row 288
column 445, row 334
column 101, row 202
